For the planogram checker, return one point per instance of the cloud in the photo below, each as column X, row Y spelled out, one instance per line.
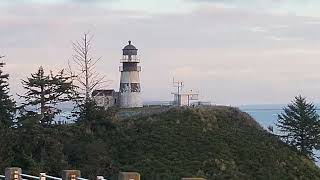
column 293, row 7
column 258, row 29
column 226, row 53
column 54, row 1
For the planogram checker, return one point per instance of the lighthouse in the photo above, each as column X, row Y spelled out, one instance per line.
column 130, row 88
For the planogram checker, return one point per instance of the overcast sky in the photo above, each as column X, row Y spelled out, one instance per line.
column 232, row 51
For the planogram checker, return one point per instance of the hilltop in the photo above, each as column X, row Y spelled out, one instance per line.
column 214, row 142
column 210, row 142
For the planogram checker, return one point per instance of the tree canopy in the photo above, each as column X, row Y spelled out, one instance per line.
column 7, row 105
column 300, row 126
column 215, row 143
column 45, row 91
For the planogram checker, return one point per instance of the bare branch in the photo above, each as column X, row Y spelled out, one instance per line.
column 85, row 73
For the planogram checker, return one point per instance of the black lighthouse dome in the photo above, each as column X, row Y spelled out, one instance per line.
column 130, row 50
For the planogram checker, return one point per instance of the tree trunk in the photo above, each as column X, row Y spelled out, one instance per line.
column 42, row 102
column 86, row 67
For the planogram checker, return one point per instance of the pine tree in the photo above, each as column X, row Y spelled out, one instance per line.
column 44, row 92
column 300, row 126
column 7, row 105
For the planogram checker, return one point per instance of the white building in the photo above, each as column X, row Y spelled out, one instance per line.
column 185, row 99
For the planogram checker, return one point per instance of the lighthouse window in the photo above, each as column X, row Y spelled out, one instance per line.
column 135, row 87
column 124, row 87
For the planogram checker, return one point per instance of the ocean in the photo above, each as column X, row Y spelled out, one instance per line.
column 265, row 114
column 265, row 117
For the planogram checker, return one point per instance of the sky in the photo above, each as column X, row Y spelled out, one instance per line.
column 234, row 52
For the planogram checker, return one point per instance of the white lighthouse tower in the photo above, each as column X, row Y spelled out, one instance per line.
column 130, row 89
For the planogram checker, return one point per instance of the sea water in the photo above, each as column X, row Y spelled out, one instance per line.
column 265, row 117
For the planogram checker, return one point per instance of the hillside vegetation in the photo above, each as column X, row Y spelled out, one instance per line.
column 214, row 143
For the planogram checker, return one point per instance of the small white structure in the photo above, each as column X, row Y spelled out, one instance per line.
column 185, row 99
column 105, row 98
column 130, row 89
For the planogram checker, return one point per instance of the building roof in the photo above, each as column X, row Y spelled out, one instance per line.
column 130, row 50
column 130, row 47
column 186, row 94
column 103, row 92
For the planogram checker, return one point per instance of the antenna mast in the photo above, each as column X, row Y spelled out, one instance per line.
column 179, row 85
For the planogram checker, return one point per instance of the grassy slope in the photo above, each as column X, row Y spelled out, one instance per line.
column 215, row 143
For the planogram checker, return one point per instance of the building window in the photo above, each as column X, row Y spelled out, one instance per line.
column 135, row 87
column 107, row 101
column 124, row 87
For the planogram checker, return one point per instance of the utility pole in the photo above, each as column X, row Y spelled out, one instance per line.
column 178, row 85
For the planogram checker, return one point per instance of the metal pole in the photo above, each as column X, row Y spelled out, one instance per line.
column 29, row 176
column 79, row 178
column 51, row 177
column 179, row 94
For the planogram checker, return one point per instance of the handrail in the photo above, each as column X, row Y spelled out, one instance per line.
column 30, row 176
column 52, row 177
column 79, row 178
column 134, row 60
column 101, row 178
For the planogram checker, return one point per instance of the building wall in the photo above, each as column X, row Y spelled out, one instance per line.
column 184, row 100
column 130, row 77
column 106, row 101
column 130, row 90
column 181, row 99
column 130, row 100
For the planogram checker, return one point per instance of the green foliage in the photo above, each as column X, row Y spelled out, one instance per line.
column 39, row 149
column 300, row 125
column 7, row 105
column 93, row 117
column 46, row 91
column 214, row 143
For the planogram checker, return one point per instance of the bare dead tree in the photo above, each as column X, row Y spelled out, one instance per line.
column 2, row 63
column 85, row 73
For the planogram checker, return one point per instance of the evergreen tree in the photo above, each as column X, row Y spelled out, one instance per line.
column 46, row 91
column 300, row 126
column 7, row 105
column 95, row 118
